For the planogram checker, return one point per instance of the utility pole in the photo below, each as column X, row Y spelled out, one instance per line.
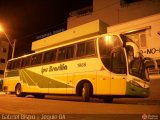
column 13, row 48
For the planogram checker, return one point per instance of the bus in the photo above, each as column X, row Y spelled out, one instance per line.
column 104, row 66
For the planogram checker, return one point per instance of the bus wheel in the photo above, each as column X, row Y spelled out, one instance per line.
column 18, row 91
column 86, row 92
column 108, row 100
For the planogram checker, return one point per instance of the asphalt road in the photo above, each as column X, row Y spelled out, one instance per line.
column 72, row 108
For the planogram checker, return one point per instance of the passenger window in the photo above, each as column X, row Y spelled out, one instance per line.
column 105, row 53
column 80, row 49
column 90, row 47
column 17, row 63
column 9, row 65
column 12, row 64
column 86, row 48
column 49, row 56
column 36, row 59
column 26, row 61
column 118, row 62
column 61, row 53
column 70, row 52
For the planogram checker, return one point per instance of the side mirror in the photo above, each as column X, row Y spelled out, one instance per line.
column 135, row 49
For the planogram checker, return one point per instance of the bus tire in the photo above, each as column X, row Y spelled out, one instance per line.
column 86, row 90
column 18, row 91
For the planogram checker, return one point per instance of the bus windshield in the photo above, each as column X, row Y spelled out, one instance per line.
column 136, row 61
column 138, row 69
column 114, row 59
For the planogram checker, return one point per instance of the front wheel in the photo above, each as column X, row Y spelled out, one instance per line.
column 18, row 91
column 86, row 90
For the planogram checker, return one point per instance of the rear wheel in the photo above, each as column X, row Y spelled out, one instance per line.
column 19, row 92
column 86, row 91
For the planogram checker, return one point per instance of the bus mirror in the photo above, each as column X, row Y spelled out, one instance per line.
column 135, row 49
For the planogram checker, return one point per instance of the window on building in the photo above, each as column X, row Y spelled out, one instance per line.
column 1, row 72
column 139, row 37
column 2, row 60
column 4, row 50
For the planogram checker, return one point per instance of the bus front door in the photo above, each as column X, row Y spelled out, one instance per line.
column 118, row 72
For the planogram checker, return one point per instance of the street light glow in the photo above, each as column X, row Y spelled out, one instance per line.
column 12, row 45
column 1, row 30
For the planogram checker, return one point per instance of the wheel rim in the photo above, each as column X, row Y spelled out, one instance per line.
column 83, row 92
column 18, row 91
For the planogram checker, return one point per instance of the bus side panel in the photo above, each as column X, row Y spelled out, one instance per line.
column 103, row 83
column 10, row 80
column 57, row 84
column 84, row 77
column 32, row 81
column 9, row 84
column 118, row 84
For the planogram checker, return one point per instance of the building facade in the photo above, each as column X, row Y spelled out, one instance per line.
column 142, row 17
column 113, row 11
column 4, row 48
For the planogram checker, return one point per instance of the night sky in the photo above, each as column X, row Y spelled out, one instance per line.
column 23, row 20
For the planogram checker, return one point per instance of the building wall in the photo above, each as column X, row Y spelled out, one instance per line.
column 116, row 11
column 4, row 48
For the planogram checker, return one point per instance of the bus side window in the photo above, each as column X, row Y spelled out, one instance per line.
column 17, row 63
column 36, row 59
column 12, row 64
column 80, row 49
column 62, row 53
column 90, row 47
column 26, row 61
column 9, row 65
column 49, row 56
column 70, row 52
column 105, row 52
column 118, row 63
